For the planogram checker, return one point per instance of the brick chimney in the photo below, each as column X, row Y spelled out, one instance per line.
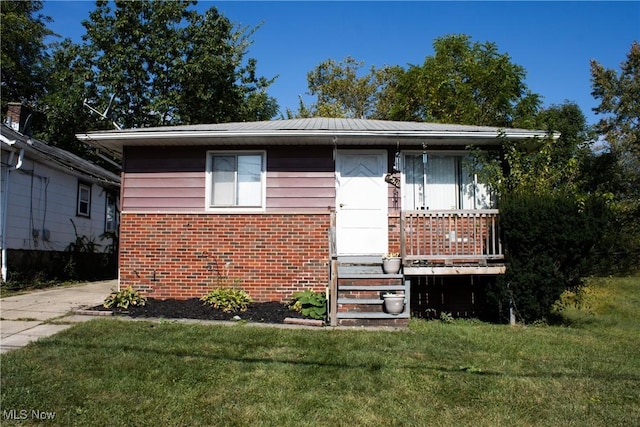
column 17, row 115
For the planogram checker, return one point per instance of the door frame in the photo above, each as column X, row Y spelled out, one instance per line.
column 383, row 234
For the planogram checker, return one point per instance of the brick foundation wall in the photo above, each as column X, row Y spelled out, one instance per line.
column 182, row 256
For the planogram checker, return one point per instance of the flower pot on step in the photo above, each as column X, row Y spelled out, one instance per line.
column 393, row 303
column 391, row 265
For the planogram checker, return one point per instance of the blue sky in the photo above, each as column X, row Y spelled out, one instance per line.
column 553, row 41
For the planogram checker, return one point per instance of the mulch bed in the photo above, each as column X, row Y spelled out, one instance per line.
column 262, row 312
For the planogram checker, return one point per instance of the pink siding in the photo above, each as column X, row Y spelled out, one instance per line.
column 158, row 191
column 171, row 179
column 300, row 191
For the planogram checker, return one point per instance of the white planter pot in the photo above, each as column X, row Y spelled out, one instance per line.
column 391, row 265
column 393, row 303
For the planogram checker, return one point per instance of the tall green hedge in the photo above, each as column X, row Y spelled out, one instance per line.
column 550, row 243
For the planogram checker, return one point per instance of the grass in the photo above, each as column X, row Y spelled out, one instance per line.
column 112, row 372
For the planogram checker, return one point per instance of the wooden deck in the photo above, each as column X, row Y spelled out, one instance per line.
column 433, row 242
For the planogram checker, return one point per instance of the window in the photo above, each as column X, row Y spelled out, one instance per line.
column 111, row 215
column 235, row 180
column 83, row 207
column 442, row 182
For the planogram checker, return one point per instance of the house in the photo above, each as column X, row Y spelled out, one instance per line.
column 52, row 202
column 276, row 207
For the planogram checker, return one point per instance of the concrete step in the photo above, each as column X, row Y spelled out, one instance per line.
column 371, row 288
column 360, row 260
column 365, row 301
column 371, row 315
column 367, row 276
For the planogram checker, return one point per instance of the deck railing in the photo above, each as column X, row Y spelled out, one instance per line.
column 448, row 236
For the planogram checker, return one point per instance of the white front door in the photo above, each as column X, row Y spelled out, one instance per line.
column 362, row 202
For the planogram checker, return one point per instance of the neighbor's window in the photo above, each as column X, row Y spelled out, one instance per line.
column 84, row 199
column 111, row 214
column 235, row 180
column 442, row 182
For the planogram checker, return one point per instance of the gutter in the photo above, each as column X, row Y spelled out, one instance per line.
column 114, row 142
column 141, row 135
column 5, row 200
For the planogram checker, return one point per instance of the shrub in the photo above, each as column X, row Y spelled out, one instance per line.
column 125, row 298
column 310, row 303
column 229, row 300
column 549, row 246
column 619, row 250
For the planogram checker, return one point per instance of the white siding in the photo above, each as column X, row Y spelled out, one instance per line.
column 44, row 198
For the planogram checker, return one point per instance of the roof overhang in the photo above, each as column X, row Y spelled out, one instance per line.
column 56, row 158
column 243, row 134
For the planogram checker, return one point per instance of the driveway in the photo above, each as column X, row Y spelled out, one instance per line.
column 27, row 317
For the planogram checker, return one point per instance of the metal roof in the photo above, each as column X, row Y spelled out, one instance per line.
column 316, row 130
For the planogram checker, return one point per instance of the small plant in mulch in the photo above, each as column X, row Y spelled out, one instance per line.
column 228, row 300
column 310, row 304
column 124, row 299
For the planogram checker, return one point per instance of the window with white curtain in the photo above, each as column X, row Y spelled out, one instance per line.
column 442, row 182
column 235, row 180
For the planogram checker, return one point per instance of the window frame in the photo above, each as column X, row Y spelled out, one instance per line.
column 460, row 155
column 209, row 181
column 116, row 214
column 83, row 185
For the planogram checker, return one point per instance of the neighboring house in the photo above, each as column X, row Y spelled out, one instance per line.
column 53, row 201
column 281, row 206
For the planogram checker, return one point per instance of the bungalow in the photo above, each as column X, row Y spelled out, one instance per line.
column 53, row 202
column 281, row 206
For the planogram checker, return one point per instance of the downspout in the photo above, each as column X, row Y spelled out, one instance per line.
column 5, row 204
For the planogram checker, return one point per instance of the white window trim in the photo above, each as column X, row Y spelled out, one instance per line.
column 209, row 182
column 88, row 186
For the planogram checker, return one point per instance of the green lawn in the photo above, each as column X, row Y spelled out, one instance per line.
column 110, row 372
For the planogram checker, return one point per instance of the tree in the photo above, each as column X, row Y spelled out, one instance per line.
column 569, row 152
column 546, row 165
column 619, row 96
column 616, row 171
column 554, row 230
column 167, row 65
column 465, row 83
column 23, row 71
column 342, row 91
column 62, row 105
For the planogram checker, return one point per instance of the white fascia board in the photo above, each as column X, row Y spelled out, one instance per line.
column 173, row 135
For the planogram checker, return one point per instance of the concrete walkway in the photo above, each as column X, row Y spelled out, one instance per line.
column 25, row 318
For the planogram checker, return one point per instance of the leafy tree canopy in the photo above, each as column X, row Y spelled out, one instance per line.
column 168, row 64
column 619, row 96
column 546, row 165
column 163, row 62
column 465, row 83
column 22, row 61
column 342, row 91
